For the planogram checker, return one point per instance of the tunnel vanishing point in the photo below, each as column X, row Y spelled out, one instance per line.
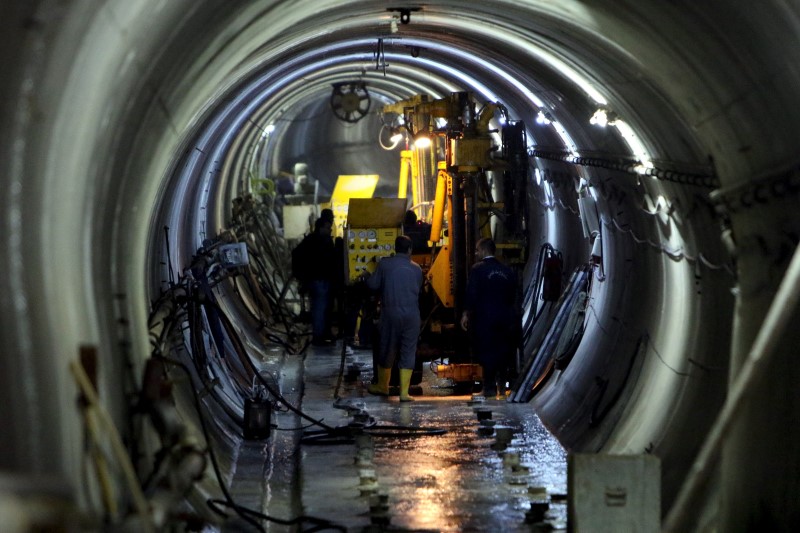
column 128, row 127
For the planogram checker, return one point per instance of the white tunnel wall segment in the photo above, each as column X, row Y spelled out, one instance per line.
column 101, row 107
column 67, row 112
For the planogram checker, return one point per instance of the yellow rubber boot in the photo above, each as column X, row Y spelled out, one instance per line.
column 381, row 388
column 405, row 381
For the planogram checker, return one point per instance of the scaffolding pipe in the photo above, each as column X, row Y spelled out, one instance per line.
column 780, row 312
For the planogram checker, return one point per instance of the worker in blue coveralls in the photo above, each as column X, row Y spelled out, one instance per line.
column 399, row 280
column 491, row 314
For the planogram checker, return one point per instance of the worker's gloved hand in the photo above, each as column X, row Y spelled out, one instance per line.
column 464, row 321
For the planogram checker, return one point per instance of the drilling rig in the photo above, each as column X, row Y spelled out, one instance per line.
column 468, row 169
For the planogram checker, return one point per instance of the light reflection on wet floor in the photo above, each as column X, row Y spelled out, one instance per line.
column 467, row 479
column 462, row 481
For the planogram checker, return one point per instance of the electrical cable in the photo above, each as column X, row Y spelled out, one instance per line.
column 675, row 255
column 241, row 351
column 194, row 323
column 538, row 285
column 301, row 428
column 244, row 512
column 203, row 362
column 169, row 257
column 658, row 209
column 597, row 415
column 197, row 349
column 403, row 431
column 241, row 510
column 629, row 166
column 318, row 522
column 276, row 394
column 273, row 252
column 346, row 434
column 196, row 326
column 212, row 455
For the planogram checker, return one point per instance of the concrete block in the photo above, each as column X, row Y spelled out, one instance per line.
column 614, row 493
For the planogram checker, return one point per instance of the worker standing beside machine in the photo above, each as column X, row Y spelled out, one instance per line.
column 491, row 315
column 314, row 266
column 399, row 280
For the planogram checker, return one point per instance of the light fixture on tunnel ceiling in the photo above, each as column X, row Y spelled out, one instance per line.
column 645, row 163
column 267, row 131
column 350, row 100
column 603, row 117
column 606, row 117
column 405, row 13
column 544, row 118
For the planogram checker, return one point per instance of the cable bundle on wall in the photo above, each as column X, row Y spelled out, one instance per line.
column 609, row 191
column 631, row 167
column 268, row 279
column 187, row 324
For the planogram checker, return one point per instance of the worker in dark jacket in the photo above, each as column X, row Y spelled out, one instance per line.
column 321, row 264
column 399, row 280
column 419, row 232
column 491, row 315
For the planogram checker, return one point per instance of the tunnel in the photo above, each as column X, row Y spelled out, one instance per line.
column 130, row 129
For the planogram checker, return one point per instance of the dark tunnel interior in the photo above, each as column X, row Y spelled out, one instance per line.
column 129, row 129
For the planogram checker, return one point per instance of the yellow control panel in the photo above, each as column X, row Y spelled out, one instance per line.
column 373, row 224
column 366, row 246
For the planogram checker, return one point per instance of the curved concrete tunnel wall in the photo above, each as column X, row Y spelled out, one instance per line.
column 105, row 112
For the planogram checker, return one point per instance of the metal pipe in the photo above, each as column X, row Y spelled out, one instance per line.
column 457, row 233
column 416, row 190
column 438, row 205
column 405, row 162
column 752, row 372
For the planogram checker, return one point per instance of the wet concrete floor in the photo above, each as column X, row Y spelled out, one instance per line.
column 427, row 465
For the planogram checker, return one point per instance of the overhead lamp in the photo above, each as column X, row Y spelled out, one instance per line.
column 397, row 134
column 645, row 163
column 600, row 118
column 544, row 118
column 266, row 131
column 603, row 117
column 422, row 140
